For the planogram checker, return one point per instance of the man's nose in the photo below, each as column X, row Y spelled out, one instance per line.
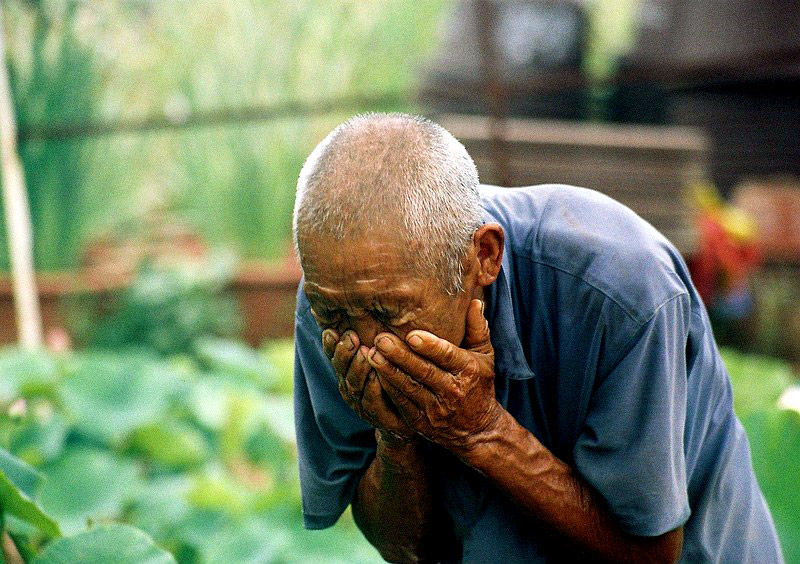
column 367, row 328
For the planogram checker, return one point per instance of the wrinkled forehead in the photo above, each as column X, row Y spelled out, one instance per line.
column 346, row 261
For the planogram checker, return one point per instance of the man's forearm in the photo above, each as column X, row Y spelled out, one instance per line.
column 553, row 493
column 394, row 505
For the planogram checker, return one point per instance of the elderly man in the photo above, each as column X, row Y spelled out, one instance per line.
column 505, row 375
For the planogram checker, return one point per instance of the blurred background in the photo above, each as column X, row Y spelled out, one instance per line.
column 160, row 144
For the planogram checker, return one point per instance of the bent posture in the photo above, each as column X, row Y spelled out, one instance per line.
column 505, row 375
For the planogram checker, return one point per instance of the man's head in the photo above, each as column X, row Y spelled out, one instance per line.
column 387, row 206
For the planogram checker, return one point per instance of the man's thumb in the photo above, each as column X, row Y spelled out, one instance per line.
column 476, row 337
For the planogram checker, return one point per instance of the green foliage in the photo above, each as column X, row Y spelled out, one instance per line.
column 166, row 308
column 197, row 453
column 774, row 436
column 775, row 445
column 757, row 380
column 14, row 501
column 78, row 62
column 56, row 83
column 112, row 543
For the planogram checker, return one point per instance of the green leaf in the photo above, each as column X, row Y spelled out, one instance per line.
column 279, row 414
column 14, row 502
column 87, row 484
column 22, row 475
column 108, row 395
column 37, row 440
column 216, row 491
column 280, row 354
column 250, row 542
column 757, row 381
column 171, row 443
column 25, row 373
column 121, row 544
column 775, row 445
column 235, row 359
column 160, row 506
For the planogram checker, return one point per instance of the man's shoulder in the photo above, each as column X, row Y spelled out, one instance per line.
column 592, row 239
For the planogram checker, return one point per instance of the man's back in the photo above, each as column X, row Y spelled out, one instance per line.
column 632, row 389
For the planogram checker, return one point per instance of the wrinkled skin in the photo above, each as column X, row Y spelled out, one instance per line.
column 365, row 301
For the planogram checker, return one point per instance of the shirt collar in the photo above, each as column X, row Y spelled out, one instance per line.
column 509, row 357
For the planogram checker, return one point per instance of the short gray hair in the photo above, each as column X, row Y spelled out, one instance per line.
column 378, row 168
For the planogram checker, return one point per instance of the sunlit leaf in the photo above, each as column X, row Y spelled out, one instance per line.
column 120, row 544
column 280, row 354
column 217, row 491
column 171, row 443
column 279, row 414
column 757, row 381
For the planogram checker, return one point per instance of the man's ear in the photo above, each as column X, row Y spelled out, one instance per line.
column 488, row 244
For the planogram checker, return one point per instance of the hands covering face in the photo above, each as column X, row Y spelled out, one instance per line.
column 359, row 385
column 422, row 384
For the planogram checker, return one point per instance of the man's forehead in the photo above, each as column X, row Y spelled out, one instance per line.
column 364, row 293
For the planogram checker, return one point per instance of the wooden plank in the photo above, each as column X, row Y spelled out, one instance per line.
column 550, row 132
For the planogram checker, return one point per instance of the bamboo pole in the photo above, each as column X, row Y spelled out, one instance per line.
column 18, row 221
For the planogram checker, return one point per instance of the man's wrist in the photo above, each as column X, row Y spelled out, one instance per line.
column 396, row 451
column 484, row 445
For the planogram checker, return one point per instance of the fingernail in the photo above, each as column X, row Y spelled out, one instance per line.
column 347, row 343
column 483, row 305
column 415, row 341
column 385, row 344
column 378, row 358
column 328, row 339
column 360, row 356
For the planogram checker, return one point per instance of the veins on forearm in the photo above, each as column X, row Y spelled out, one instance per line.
column 554, row 494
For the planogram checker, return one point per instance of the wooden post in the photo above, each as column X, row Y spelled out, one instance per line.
column 17, row 215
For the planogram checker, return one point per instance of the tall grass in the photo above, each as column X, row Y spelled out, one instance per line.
column 57, row 85
column 77, row 61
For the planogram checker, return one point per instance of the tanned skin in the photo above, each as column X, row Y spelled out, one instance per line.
column 418, row 365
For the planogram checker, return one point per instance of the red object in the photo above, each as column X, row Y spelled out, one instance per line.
column 722, row 263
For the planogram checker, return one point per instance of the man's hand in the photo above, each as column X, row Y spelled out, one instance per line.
column 359, row 386
column 442, row 391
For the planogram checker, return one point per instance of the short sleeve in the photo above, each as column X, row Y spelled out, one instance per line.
column 334, row 445
column 631, row 445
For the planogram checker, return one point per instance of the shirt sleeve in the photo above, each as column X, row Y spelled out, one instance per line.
column 334, row 445
column 631, row 446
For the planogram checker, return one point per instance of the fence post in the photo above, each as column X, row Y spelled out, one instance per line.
column 17, row 215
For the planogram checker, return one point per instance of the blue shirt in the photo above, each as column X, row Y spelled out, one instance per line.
column 604, row 351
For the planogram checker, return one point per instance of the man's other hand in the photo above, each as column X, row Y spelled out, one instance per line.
column 444, row 392
column 359, row 385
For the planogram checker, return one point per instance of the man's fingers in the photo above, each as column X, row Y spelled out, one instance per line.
column 377, row 409
column 476, row 337
column 443, row 354
column 411, row 364
column 357, row 374
column 345, row 350
column 398, row 381
column 329, row 340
